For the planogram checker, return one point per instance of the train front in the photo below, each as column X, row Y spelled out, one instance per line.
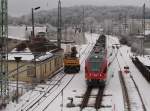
column 96, row 69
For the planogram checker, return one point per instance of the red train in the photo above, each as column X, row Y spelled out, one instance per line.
column 96, row 63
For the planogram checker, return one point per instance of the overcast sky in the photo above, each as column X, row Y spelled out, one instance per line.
column 20, row 7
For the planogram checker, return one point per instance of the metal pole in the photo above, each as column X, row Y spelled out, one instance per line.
column 1, row 71
column 83, row 30
column 32, row 22
column 35, row 64
column 4, row 36
column 17, row 59
column 143, row 29
column 144, row 19
column 62, row 100
column 17, row 83
column 59, row 23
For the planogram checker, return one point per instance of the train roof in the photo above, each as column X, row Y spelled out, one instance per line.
column 98, row 52
column 96, row 55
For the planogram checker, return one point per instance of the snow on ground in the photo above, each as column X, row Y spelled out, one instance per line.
column 26, row 100
column 142, row 84
column 113, row 83
column 78, row 86
column 135, row 102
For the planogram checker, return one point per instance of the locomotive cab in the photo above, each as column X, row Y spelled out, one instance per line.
column 71, row 61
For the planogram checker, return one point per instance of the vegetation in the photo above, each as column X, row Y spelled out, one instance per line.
column 74, row 15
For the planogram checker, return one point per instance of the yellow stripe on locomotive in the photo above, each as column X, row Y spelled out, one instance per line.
column 71, row 62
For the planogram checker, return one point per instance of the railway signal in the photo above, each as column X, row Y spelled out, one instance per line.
column 126, row 69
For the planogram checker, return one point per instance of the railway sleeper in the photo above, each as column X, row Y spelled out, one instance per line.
column 71, row 69
column 92, row 96
column 93, row 106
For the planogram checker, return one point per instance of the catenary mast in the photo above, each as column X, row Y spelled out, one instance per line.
column 59, row 25
column 4, row 92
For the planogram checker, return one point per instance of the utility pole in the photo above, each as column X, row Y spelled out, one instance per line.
column 143, row 20
column 83, row 27
column 4, row 94
column 17, row 59
column 33, row 34
column 59, row 25
column 143, row 27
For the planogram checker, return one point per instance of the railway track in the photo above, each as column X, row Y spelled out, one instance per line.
column 98, row 98
column 34, row 104
column 56, row 80
column 133, row 100
column 86, row 51
column 86, row 98
column 132, row 97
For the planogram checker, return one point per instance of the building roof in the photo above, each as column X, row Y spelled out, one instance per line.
column 40, row 49
column 25, row 55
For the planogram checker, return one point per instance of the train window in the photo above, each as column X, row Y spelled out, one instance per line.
column 95, row 66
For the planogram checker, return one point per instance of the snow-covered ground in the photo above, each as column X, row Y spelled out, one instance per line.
column 77, row 84
column 142, row 84
column 27, row 99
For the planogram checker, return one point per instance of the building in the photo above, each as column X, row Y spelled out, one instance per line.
column 39, row 60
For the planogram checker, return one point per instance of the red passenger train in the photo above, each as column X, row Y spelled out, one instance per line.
column 96, row 63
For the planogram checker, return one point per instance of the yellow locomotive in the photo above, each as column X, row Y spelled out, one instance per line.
column 71, row 61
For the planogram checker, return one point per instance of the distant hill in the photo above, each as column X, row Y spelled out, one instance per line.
column 73, row 15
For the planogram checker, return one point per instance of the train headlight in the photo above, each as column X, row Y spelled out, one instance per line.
column 90, row 74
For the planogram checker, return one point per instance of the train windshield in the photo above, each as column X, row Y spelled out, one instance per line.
column 95, row 66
